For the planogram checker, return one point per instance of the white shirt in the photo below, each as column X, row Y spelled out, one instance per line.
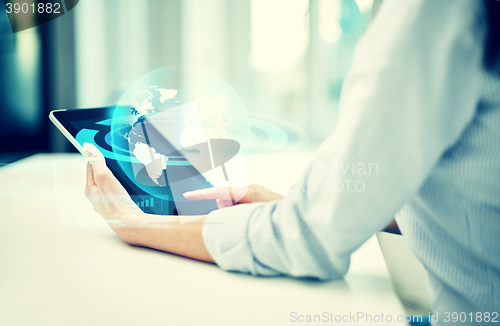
column 420, row 105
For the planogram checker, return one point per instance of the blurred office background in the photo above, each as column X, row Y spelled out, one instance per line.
column 286, row 59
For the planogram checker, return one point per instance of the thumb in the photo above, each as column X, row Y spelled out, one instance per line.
column 96, row 159
column 94, row 155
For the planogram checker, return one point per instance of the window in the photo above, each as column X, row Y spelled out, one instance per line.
column 286, row 58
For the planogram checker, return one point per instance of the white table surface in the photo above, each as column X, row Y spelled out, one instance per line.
column 60, row 264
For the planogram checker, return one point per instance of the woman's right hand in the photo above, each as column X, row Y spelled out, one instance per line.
column 254, row 193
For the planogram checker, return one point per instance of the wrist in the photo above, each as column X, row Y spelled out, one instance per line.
column 129, row 227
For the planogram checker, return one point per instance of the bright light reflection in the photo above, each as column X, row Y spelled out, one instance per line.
column 364, row 5
column 279, row 34
column 329, row 20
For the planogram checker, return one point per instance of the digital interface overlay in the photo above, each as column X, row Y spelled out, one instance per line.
column 150, row 197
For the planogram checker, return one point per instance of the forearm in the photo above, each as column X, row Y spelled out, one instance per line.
column 167, row 234
column 112, row 201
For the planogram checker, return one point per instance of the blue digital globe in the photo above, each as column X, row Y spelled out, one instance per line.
column 180, row 129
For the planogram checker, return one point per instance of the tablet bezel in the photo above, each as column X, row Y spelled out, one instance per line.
column 65, row 132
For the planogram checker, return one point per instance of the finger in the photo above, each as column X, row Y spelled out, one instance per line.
column 209, row 193
column 90, row 183
column 93, row 153
column 224, row 203
column 90, row 176
column 241, row 194
column 101, row 173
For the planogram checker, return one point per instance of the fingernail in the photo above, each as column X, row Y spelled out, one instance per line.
column 92, row 152
column 89, row 148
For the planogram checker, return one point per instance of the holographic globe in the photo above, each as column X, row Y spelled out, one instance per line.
column 180, row 129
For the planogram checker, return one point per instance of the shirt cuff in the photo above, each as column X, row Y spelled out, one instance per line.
column 225, row 237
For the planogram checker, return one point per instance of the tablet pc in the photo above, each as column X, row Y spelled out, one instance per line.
column 94, row 126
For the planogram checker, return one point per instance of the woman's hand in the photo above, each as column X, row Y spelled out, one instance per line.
column 108, row 196
column 255, row 193
column 160, row 232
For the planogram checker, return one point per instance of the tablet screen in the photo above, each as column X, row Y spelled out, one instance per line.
column 153, row 196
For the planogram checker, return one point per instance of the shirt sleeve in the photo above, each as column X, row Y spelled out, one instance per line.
column 411, row 91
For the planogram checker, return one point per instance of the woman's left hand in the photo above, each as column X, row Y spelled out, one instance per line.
column 108, row 196
column 160, row 232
